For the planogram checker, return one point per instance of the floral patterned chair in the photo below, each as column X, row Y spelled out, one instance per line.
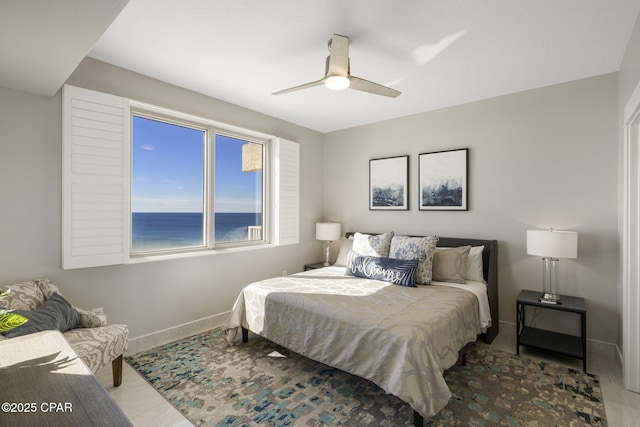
column 95, row 342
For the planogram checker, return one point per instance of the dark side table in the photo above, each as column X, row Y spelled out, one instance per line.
column 313, row 266
column 567, row 345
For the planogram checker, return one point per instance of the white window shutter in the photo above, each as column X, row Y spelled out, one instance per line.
column 95, row 178
column 286, row 192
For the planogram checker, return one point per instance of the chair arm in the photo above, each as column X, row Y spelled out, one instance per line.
column 91, row 319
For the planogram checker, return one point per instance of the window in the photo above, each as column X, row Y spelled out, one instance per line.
column 238, row 192
column 167, row 185
column 145, row 180
column 170, row 166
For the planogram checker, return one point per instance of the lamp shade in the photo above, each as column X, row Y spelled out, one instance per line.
column 552, row 243
column 328, row 231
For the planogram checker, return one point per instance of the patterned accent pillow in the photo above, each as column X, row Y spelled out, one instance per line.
column 420, row 248
column 373, row 245
column 48, row 287
column 450, row 264
column 23, row 296
column 396, row 271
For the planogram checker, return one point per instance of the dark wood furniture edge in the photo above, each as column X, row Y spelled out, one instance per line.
column 80, row 399
column 418, row 420
column 313, row 265
column 116, row 366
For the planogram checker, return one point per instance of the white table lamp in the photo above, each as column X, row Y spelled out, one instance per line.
column 327, row 231
column 551, row 245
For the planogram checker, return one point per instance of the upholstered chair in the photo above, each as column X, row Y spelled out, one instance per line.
column 95, row 342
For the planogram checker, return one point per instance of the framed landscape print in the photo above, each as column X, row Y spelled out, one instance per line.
column 443, row 179
column 389, row 183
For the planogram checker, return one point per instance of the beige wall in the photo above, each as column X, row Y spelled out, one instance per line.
column 537, row 159
column 152, row 296
column 546, row 157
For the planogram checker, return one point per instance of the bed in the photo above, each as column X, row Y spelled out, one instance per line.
column 377, row 330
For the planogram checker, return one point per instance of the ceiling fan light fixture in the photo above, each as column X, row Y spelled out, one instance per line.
column 337, row 73
column 337, row 82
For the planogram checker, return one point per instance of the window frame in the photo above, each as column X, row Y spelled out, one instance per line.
column 167, row 119
column 266, row 173
column 210, row 130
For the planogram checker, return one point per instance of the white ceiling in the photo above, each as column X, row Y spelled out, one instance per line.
column 437, row 53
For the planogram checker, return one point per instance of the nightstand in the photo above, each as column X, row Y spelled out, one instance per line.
column 567, row 345
column 313, row 266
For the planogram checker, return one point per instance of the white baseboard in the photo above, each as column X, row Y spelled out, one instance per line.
column 155, row 339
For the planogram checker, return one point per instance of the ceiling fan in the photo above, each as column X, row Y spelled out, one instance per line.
column 338, row 73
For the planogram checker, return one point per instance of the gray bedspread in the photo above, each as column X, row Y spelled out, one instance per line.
column 400, row 338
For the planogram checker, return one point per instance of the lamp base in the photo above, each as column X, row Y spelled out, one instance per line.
column 549, row 299
column 549, row 281
column 327, row 246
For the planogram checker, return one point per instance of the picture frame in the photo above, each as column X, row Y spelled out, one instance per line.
column 389, row 183
column 443, row 178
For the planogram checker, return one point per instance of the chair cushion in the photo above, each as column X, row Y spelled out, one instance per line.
column 99, row 346
column 54, row 313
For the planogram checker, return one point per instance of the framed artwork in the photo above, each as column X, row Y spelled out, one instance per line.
column 443, row 179
column 389, row 183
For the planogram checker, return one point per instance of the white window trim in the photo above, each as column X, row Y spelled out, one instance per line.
column 280, row 192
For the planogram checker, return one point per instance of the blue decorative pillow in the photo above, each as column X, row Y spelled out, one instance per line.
column 54, row 313
column 396, row 271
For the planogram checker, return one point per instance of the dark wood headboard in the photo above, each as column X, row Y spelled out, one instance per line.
column 489, row 270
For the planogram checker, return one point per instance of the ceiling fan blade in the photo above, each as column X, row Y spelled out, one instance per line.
column 339, row 56
column 366, row 86
column 304, row 86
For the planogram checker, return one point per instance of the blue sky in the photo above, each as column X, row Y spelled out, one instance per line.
column 168, row 170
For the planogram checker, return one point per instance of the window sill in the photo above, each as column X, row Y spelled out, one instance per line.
column 139, row 259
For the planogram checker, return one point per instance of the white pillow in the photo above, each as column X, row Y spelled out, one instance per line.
column 343, row 256
column 373, row 245
column 474, row 264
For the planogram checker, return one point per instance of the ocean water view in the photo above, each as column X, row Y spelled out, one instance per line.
column 166, row 230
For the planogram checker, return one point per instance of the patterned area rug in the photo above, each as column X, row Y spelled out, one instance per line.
column 252, row 385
